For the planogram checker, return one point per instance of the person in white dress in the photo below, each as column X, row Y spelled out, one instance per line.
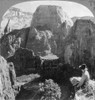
column 85, row 76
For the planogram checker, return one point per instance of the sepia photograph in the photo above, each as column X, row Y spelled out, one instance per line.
column 47, row 49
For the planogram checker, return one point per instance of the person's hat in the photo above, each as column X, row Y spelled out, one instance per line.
column 83, row 66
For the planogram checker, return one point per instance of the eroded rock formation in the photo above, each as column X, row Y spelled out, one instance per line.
column 51, row 33
column 80, row 44
column 25, row 61
column 18, row 19
column 6, row 91
column 49, row 27
column 46, row 34
column 12, row 41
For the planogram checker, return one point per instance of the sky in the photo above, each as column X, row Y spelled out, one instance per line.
column 6, row 4
column 73, row 9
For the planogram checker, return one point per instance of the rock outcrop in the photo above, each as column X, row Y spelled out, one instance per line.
column 45, row 36
column 50, row 33
column 50, row 17
column 80, row 44
column 18, row 19
column 49, row 27
column 6, row 91
column 12, row 41
column 25, row 61
column 85, row 18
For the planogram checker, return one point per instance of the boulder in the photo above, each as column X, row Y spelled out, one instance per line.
column 6, row 91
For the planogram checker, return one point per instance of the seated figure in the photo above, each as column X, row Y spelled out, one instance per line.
column 85, row 76
column 83, row 80
column 81, row 83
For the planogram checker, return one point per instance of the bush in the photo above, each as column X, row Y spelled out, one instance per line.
column 50, row 90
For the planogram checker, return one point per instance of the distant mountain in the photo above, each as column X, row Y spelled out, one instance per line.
column 50, row 26
column 51, row 33
column 85, row 17
column 17, row 19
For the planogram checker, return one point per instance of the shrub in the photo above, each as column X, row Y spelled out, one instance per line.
column 50, row 90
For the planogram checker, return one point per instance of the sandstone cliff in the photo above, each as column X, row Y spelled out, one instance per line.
column 25, row 61
column 6, row 91
column 49, row 27
column 12, row 41
column 75, row 44
column 80, row 44
column 18, row 19
column 51, row 32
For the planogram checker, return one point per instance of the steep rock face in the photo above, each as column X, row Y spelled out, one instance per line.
column 24, row 61
column 6, row 91
column 45, row 36
column 12, row 41
column 51, row 17
column 80, row 44
column 85, row 18
column 41, row 42
column 49, row 27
